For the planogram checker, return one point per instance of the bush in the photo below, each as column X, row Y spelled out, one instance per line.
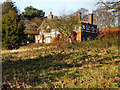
column 109, row 32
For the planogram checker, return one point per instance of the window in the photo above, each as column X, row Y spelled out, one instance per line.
column 83, row 26
column 88, row 28
column 93, row 30
column 78, row 29
column 48, row 40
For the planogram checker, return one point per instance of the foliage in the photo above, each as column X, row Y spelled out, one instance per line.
column 65, row 25
column 33, row 24
column 7, row 6
column 0, row 10
column 31, row 28
column 12, row 27
column 32, row 18
column 0, row 26
column 31, row 12
column 109, row 32
column 88, row 65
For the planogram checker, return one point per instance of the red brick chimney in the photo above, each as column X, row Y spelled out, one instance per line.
column 79, row 16
column 91, row 18
column 50, row 16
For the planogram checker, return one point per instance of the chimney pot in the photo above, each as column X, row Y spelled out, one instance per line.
column 50, row 16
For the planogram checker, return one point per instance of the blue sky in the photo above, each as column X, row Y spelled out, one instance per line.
column 57, row 7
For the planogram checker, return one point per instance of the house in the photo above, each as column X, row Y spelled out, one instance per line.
column 85, row 30
column 50, row 37
column 31, row 32
column 47, row 37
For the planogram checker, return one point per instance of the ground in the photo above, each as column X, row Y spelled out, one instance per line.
column 92, row 64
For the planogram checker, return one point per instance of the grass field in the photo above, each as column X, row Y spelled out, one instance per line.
column 92, row 64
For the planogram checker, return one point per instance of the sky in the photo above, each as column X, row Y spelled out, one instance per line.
column 57, row 7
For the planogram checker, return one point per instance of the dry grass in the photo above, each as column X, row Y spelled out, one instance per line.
column 68, row 66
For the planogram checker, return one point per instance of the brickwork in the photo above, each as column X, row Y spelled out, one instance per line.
column 85, row 30
column 60, row 36
column 50, row 16
column 37, row 36
column 91, row 18
column 54, row 39
column 79, row 16
column 78, row 38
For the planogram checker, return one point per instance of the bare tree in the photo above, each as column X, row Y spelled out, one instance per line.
column 106, row 15
column 110, row 5
column 33, row 24
column 84, row 12
column 64, row 24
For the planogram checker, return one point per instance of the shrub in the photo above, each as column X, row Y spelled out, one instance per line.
column 109, row 32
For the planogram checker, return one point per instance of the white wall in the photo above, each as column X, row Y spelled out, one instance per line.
column 39, row 39
column 48, row 40
column 47, row 36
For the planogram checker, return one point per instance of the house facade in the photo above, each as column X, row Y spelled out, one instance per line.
column 85, row 30
column 50, row 37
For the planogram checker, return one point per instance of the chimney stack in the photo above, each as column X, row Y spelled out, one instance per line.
column 79, row 16
column 50, row 16
column 91, row 18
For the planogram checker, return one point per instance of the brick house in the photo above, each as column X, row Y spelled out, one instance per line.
column 85, row 30
column 50, row 37
column 45, row 37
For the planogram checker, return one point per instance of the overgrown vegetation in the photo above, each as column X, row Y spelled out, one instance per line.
column 92, row 64
column 109, row 33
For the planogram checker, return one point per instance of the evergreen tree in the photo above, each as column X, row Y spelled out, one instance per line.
column 7, row 6
column 31, row 12
column 12, row 27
